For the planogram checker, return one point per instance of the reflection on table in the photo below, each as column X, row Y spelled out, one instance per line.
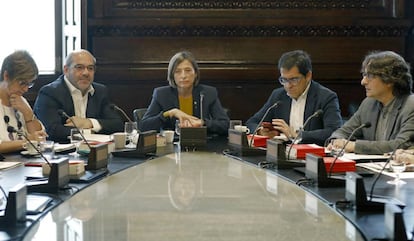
column 194, row 196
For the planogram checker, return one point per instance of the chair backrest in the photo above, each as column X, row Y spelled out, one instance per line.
column 138, row 114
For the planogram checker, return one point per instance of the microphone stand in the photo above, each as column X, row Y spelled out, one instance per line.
column 299, row 135
column 61, row 112
column 367, row 124
column 115, row 107
column 58, row 175
column 261, row 121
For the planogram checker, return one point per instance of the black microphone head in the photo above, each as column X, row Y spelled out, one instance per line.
column 6, row 119
column 11, row 129
column 367, row 125
column 112, row 106
column 60, row 112
column 319, row 112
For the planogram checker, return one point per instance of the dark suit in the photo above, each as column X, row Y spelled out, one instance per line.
column 319, row 97
column 398, row 134
column 166, row 98
column 56, row 96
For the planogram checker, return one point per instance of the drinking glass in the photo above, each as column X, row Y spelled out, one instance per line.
column 177, row 127
column 76, row 139
column 48, row 149
column 397, row 167
column 234, row 123
column 130, row 128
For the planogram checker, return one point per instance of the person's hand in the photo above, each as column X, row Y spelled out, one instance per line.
column 263, row 131
column 338, row 144
column 283, row 127
column 83, row 123
column 404, row 156
column 186, row 120
column 37, row 135
column 17, row 102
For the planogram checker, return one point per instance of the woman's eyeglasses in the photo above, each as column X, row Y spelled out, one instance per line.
column 23, row 83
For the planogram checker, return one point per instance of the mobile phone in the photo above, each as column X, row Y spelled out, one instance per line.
column 268, row 125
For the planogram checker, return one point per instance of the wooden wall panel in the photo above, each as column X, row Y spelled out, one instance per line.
column 238, row 43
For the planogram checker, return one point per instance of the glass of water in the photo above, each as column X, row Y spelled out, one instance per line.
column 397, row 167
column 76, row 139
column 130, row 128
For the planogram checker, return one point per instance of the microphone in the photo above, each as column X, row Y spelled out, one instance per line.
column 386, row 163
column 316, row 114
column 11, row 129
column 63, row 113
column 115, row 107
column 365, row 125
column 201, row 105
column 276, row 104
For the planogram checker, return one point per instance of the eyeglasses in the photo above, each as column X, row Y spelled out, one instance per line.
column 292, row 81
column 81, row 67
column 23, row 83
column 368, row 75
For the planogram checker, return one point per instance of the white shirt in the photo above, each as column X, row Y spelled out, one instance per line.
column 297, row 110
column 80, row 103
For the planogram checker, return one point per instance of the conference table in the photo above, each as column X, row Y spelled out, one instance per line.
column 201, row 195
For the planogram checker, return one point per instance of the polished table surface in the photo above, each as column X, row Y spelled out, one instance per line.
column 194, row 196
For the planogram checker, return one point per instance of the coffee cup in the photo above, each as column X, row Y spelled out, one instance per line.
column 242, row 128
column 169, row 136
column 30, row 149
column 119, row 139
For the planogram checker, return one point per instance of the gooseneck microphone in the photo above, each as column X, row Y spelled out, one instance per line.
column 115, row 107
column 11, row 129
column 316, row 114
column 276, row 104
column 365, row 125
column 201, row 105
column 386, row 163
column 63, row 113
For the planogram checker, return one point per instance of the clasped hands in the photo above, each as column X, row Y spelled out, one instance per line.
column 186, row 120
column 80, row 122
column 338, row 144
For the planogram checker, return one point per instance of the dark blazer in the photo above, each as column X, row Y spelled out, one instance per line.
column 400, row 132
column 319, row 97
column 166, row 97
column 56, row 96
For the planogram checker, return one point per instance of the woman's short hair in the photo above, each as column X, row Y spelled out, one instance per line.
column 176, row 60
column 391, row 68
column 298, row 58
column 19, row 66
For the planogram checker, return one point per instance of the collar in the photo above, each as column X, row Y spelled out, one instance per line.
column 73, row 89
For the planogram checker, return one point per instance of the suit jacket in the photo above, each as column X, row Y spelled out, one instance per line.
column 56, row 96
column 319, row 128
column 166, row 97
column 399, row 133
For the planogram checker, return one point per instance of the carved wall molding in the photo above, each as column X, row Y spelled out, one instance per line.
column 249, row 31
column 226, row 4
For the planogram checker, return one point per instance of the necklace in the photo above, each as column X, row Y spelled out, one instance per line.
column 7, row 121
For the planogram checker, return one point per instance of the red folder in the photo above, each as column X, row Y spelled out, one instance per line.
column 258, row 140
column 299, row 151
column 341, row 164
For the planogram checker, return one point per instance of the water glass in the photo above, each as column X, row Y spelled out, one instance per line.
column 177, row 127
column 76, row 139
column 48, row 149
column 130, row 128
column 397, row 167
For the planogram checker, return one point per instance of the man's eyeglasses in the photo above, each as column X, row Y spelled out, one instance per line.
column 81, row 67
column 292, row 81
column 23, row 83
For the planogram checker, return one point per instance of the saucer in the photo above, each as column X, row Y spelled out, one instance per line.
column 26, row 153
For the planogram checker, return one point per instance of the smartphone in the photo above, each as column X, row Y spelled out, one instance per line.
column 268, row 125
